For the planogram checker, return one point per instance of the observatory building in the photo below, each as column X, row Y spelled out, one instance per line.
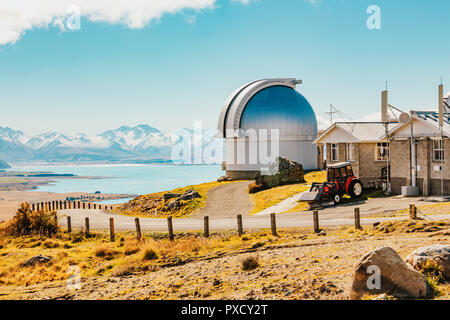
column 265, row 119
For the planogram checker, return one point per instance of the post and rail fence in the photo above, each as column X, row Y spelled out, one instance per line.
column 206, row 226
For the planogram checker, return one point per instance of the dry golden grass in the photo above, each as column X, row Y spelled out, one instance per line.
column 267, row 198
column 97, row 256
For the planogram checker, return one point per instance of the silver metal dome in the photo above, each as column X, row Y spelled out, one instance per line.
column 269, row 104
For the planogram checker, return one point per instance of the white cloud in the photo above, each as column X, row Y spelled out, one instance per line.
column 18, row 16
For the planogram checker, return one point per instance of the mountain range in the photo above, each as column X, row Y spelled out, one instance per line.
column 141, row 143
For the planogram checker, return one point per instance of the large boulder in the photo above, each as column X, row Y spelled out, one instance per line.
column 280, row 172
column 438, row 253
column 384, row 271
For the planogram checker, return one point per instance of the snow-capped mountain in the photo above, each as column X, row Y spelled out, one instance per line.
column 140, row 143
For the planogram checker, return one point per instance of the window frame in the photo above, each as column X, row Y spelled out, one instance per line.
column 331, row 152
column 440, row 149
column 347, row 148
column 378, row 156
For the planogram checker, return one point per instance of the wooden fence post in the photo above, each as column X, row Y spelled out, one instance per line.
column 273, row 224
column 89, row 206
column 239, row 225
column 46, row 206
column 69, row 224
column 37, row 206
column 412, row 211
column 86, row 221
column 316, row 221
column 32, row 207
column 138, row 228
column 79, row 205
column 95, row 206
column 100, row 207
column 69, row 204
column 60, row 204
column 206, row 226
column 357, row 219
column 65, row 205
column 42, row 206
column 111, row 229
column 56, row 204
column 170, row 226
column 84, row 205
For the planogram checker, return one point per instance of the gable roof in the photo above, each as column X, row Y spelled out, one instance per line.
column 354, row 132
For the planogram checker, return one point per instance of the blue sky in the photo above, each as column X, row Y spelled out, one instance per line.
column 182, row 66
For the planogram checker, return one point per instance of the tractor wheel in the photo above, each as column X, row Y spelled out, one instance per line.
column 337, row 198
column 355, row 189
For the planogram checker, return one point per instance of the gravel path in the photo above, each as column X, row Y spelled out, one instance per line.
column 227, row 201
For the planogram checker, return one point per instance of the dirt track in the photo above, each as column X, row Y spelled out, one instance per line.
column 227, row 201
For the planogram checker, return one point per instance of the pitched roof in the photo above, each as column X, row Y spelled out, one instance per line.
column 355, row 132
column 431, row 120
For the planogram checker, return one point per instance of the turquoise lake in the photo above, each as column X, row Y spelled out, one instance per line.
column 134, row 179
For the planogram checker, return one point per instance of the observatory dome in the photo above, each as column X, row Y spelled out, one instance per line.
column 283, row 108
column 269, row 104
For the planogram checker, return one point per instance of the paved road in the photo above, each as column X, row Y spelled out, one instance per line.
column 341, row 215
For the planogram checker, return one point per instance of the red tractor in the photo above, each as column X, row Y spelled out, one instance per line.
column 340, row 181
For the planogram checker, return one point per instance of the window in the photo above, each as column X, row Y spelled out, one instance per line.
column 350, row 152
column 382, row 151
column 334, row 152
column 438, row 150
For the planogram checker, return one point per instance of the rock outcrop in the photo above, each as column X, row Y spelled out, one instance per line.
column 280, row 172
column 170, row 195
column 384, row 271
column 36, row 259
column 438, row 253
column 188, row 195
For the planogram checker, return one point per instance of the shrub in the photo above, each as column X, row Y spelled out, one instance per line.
column 250, row 263
column 254, row 188
column 26, row 222
column 432, row 270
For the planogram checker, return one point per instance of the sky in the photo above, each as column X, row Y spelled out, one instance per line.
column 170, row 63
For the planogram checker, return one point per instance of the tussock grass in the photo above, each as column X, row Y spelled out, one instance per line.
column 149, row 254
column 250, row 263
column 106, row 252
